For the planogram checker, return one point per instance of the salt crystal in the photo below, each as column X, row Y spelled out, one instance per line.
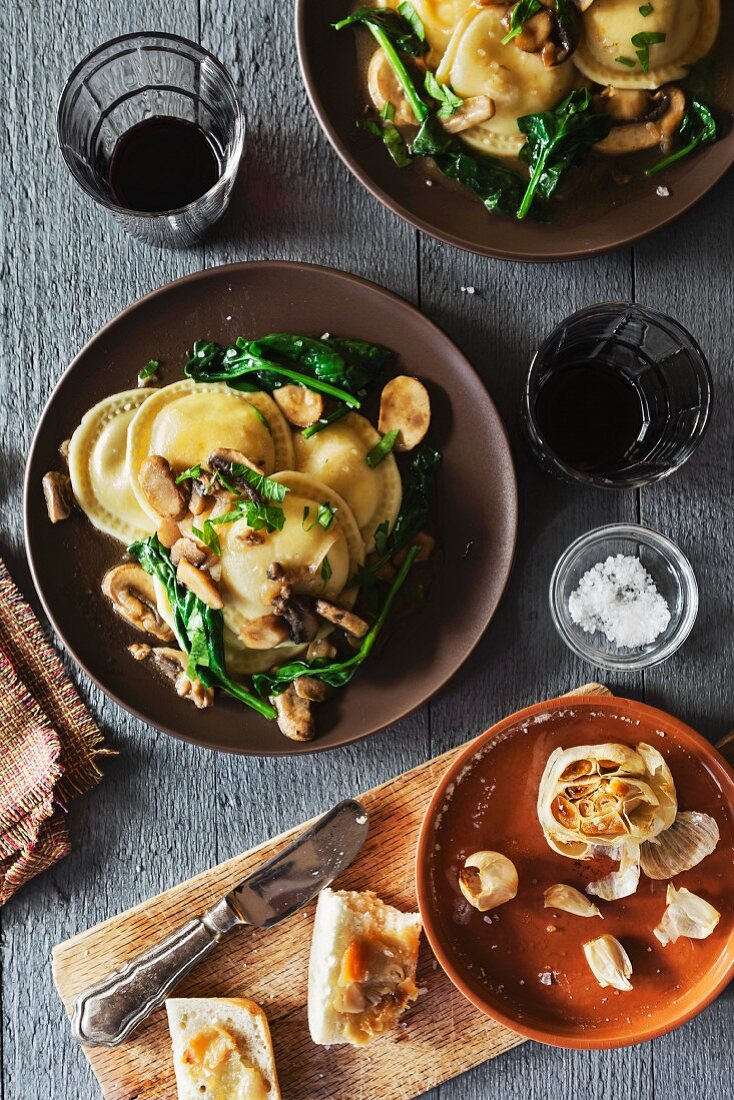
column 662, row 192
column 429, row 183
column 545, row 977
column 618, row 597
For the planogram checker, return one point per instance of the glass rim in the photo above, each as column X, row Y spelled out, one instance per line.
column 670, row 552
column 135, row 36
column 569, row 473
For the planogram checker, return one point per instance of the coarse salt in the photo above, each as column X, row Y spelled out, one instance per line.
column 618, row 597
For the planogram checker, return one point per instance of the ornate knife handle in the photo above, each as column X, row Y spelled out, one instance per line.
column 108, row 1012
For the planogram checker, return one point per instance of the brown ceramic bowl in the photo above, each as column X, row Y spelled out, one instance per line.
column 487, row 800
column 329, row 65
column 477, row 501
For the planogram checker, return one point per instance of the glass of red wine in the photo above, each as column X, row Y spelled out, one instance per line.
column 151, row 127
column 618, row 396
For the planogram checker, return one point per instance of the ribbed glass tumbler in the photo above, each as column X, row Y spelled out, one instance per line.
column 145, row 76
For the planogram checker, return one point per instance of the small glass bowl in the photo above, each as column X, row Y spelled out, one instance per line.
column 667, row 565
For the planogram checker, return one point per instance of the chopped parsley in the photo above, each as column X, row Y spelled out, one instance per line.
column 382, row 449
column 380, row 536
column 642, row 43
column 326, row 570
column 628, row 61
column 209, row 536
column 258, row 516
column 324, row 517
column 645, row 10
column 147, row 372
column 188, row 475
column 519, row 16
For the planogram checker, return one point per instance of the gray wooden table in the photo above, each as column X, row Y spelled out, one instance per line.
column 165, row 810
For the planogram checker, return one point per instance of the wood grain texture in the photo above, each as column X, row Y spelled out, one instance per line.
column 166, row 811
column 442, row 1036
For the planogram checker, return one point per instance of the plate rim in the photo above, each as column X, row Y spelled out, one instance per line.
column 547, row 1036
column 315, row 746
column 395, row 207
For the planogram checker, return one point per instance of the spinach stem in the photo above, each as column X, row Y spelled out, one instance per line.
column 529, row 195
column 420, row 110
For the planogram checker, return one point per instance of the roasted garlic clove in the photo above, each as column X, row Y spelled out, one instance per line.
column 624, row 881
column 569, row 900
column 686, row 915
column 610, row 964
column 690, row 838
column 604, row 795
column 488, row 879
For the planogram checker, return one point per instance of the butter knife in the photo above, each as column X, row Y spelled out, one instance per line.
column 106, row 1014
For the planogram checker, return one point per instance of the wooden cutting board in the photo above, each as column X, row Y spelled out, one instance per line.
column 442, row 1036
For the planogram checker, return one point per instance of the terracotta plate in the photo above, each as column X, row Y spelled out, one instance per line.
column 329, row 66
column 477, row 497
column 523, row 964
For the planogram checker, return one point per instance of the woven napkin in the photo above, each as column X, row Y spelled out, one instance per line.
column 49, row 745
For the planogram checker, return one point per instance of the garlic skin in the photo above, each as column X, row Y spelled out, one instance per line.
column 488, row 879
column 622, row 882
column 686, row 915
column 609, row 962
column 570, row 900
column 687, row 842
column 593, row 796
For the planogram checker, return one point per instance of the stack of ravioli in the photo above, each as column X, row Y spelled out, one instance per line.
column 185, row 423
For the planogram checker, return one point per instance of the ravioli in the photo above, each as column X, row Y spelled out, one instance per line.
column 302, row 545
column 439, row 19
column 690, row 28
column 476, row 63
column 98, row 472
column 337, row 456
column 186, row 421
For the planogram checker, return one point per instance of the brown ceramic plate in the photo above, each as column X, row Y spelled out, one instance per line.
column 487, row 800
column 330, row 70
column 477, row 500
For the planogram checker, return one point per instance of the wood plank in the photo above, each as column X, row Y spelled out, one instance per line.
column 271, row 966
column 685, row 272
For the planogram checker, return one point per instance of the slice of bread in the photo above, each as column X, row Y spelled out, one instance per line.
column 222, row 1049
column 364, row 955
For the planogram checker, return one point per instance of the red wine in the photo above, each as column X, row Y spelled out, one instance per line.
column 161, row 164
column 590, row 415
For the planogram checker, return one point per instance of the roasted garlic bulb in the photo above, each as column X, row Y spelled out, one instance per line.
column 609, row 962
column 604, row 795
column 569, row 900
column 488, row 879
column 686, row 915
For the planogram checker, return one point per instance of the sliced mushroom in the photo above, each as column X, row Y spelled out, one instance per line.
column 168, row 532
column 406, row 407
column 302, row 622
column 197, row 499
column 311, row 688
column 547, row 34
column 58, row 496
column 140, row 651
column 132, row 593
column 172, row 663
column 197, row 582
column 267, row 632
column 320, row 648
column 187, row 548
column 299, row 405
column 295, row 719
column 640, row 119
column 384, row 87
column 475, row 109
column 339, row 616
column 64, row 450
column 159, row 487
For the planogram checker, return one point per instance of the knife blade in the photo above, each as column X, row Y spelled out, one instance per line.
column 108, row 1012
